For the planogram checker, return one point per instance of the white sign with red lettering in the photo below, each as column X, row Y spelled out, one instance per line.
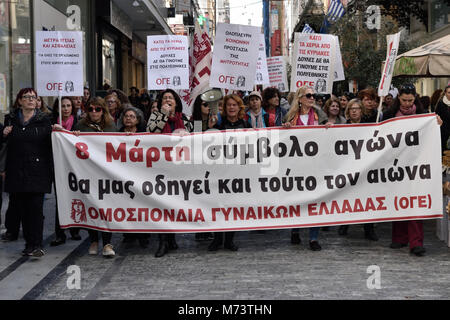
column 250, row 179
column 393, row 41
column 168, row 62
column 235, row 57
column 262, row 74
column 314, row 62
column 277, row 73
column 59, row 63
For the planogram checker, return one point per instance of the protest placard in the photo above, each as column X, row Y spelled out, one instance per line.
column 250, row 179
column 393, row 41
column 277, row 73
column 59, row 63
column 313, row 62
column 262, row 74
column 168, row 62
column 235, row 57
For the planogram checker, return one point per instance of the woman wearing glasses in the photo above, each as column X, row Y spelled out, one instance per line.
column 97, row 119
column 354, row 114
column 403, row 232
column 29, row 166
column 168, row 119
column 114, row 107
column 304, row 113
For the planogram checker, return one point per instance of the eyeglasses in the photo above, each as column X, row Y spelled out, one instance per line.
column 205, row 104
column 130, row 116
column 110, row 101
column 408, row 89
column 354, row 109
column 310, row 95
column 29, row 97
column 95, row 109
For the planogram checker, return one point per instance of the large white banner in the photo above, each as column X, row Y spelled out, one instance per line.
column 235, row 57
column 314, row 62
column 168, row 62
column 59, row 63
column 250, row 179
column 277, row 73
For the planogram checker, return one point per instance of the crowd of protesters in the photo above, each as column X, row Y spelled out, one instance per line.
column 29, row 163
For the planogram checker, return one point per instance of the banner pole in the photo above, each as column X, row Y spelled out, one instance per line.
column 60, row 108
column 379, row 109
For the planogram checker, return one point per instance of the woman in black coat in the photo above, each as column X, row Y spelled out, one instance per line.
column 29, row 166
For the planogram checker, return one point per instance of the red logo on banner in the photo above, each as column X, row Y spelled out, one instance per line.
column 78, row 213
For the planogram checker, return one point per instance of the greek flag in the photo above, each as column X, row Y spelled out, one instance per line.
column 335, row 11
column 307, row 29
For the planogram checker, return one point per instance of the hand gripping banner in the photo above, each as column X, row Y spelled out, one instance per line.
column 250, row 179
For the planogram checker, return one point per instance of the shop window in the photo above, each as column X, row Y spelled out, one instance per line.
column 440, row 14
column 109, row 62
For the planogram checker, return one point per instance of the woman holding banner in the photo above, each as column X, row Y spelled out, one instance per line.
column 403, row 232
column 168, row 119
column 233, row 115
column 304, row 113
column 354, row 113
column 29, row 167
column 97, row 119
column 69, row 121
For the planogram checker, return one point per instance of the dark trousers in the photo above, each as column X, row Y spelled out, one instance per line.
column 408, row 232
column 106, row 236
column 30, row 207
column 60, row 233
column 12, row 215
column 218, row 237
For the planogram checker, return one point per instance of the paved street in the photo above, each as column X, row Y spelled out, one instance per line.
column 266, row 266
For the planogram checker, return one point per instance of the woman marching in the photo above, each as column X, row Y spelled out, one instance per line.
column 168, row 119
column 354, row 113
column 404, row 232
column 304, row 113
column 69, row 121
column 29, row 166
column 97, row 119
column 233, row 117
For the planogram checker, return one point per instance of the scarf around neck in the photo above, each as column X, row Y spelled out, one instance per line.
column 67, row 124
column 406, row 112
column 176, row 121
column 257, row 119
column 446, row 101
column 313, row 119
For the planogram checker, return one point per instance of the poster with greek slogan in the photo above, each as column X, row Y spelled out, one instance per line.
column 276, row 67
column 235, row 57
column 262, row 74
column 339, row 74
column 168, row 62
column 250, row 179
column 313, row 62
column 59, row 63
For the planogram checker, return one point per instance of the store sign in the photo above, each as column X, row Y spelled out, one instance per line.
column 59, row 63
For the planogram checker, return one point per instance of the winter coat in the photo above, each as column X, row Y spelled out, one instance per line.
column 83, row 126
column 29, row 160
column 443, row 111
column 158, row 121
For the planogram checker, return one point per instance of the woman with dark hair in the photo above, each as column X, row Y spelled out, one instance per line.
column 69, row 121
column 201, row 115
column 144, row 104
column 435, row 97
column 97, row 119
column 368, row 98
column 168, row 119
column 443, row 110
column 426, row 103
column 133, row 122
column 271, row 105
column 233, row 117
column 403, row 232
column 29, row 167
column 332, row 109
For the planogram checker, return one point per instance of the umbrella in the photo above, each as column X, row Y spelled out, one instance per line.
column 430, row 60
